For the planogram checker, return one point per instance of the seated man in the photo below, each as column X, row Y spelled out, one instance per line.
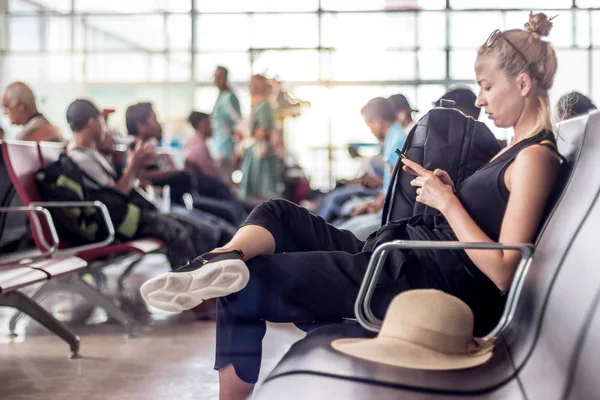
column 210, row 194
column 197, row 155
column 381, row 117
column 363, row 225
column 369, row 211
column 20, row 107
column 185, row 240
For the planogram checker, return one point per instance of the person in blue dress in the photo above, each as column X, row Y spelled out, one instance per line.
column 226, row 114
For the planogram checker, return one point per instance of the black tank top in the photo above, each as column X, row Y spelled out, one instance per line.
column 485, row 195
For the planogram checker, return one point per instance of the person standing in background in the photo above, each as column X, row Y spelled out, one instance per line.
column 20, row 107
column 260, row 165
column 225, row 116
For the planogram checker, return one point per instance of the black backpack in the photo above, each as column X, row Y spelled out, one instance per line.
column 446, row 139
column 62, row 180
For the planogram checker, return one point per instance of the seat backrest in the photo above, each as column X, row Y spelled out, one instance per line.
column 572, row 300
column 584, row 383
column 579, row 142
column 22, row 161
column 50, row 152
column 14, row 229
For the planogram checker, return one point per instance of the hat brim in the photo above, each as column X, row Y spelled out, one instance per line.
column 400, row 353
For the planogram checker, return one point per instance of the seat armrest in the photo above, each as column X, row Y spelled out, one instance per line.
column 50, row 249
column 96, row 204
column 362, row 306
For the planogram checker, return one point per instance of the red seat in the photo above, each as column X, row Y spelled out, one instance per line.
column 22, row 160
column 15, row 276
column 50, row 151
column 140, row 246
column 55, row 267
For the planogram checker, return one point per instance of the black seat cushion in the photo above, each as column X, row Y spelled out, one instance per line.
column 304, row 386
column 315, row 355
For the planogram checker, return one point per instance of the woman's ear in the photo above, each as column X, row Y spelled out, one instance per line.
column 525, row 83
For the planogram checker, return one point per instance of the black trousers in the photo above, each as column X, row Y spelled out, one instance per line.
column 185, row 234
column 209, row 194
column 314, row 275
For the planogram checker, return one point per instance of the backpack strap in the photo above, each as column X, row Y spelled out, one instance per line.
column 391, row 190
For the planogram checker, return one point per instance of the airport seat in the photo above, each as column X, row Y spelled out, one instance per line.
column 49, row 153
column 16, row 276
column 22, row 161
column 541, row 347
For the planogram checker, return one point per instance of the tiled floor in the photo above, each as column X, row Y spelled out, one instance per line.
column 170, row 358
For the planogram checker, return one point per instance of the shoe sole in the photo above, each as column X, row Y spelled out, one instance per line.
column 179, row 291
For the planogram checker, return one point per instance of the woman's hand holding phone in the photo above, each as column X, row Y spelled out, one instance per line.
column 440, row 173
column 434, row 188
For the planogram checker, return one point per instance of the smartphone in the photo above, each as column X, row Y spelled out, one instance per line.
column 401, row 154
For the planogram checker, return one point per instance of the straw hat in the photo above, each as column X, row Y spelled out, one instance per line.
column 423, row 329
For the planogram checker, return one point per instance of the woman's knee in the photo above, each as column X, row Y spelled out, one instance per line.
column 271, row 214
column 277, row 206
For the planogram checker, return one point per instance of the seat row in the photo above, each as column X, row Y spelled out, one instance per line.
column 55, row 262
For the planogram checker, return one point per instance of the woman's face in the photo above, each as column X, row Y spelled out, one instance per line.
column 500, row 97
column 256, row 87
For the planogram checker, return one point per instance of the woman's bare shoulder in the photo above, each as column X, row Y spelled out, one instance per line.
column 544, row 153
column 538, row 160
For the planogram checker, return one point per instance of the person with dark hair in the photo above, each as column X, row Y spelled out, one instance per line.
column 378, row 113
column 209, row 194
column 143, row 125
column 197, row 155
column 185, row 239
column 574, row 104
column 464, row 100
column 1, row 133
column 382, row 118
column 404, row 111
column 287, row 265
column 225, row 115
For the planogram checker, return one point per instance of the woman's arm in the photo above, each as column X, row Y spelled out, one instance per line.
column 529, row 179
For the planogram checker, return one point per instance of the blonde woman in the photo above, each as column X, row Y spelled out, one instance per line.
column 287, row 265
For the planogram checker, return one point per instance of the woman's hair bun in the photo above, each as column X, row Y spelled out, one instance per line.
column 539, row 24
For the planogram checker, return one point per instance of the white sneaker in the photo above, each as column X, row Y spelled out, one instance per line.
column 208, row 276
